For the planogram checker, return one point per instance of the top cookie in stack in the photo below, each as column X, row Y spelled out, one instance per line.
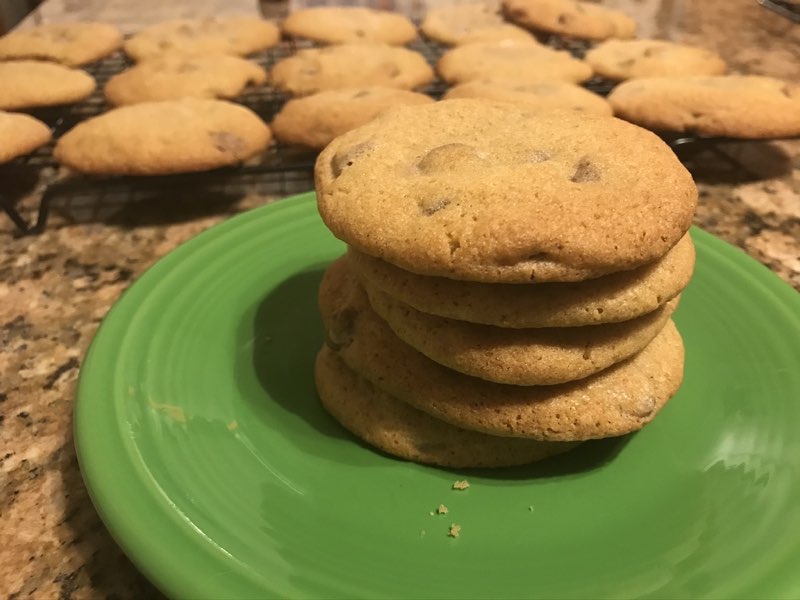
column 511, row 274
column 486, row 192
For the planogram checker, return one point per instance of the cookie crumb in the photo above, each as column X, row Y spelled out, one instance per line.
column 442, row 510
column 232, row 426
column 455, row 530
column 461, row 485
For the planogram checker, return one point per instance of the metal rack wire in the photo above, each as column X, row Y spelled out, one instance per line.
column 789, row 10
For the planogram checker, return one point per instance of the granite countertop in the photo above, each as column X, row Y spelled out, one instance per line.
column 56, row 287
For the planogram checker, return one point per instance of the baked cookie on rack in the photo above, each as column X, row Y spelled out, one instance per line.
column 35, row 83
column 157, row 138
column 313, row 121
column 571, row 18
column 519, row 61
column 350, row 24
column 171, row 77
column 239, row 36
column 72, row 44
column 457, row 24
column 737, row 106
column 351, row 65
column 20, row 135
column 628, row 59
column 543, row 95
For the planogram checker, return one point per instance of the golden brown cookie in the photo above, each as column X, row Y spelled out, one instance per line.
column 542, row 95
column 156, row 138
column 401, row 430
column 542, row 356
column 239, row 36
column 571, row 18
column 482, row 191
column 351, row 65
column 350, row 24
column 613, row 402
column 628, row 59
column 33, row 83
column 174, row 77
column 72, row 44
column 609, row 299
column 519, row 356
column 315, row 120
column 739, row 106
column 20, row 135
column 467, row 23
column 513, row 60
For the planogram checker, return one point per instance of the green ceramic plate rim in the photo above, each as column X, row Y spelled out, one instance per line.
column 132, row 506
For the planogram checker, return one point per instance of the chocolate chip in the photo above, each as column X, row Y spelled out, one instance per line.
column 454, row 243
column 645, row 408
column 310, row 69
column 431, row 206
column 227, row 142
column 187, row 67
column 585, row 171
column 449, row 157
column 346, row 158
column 341, row 334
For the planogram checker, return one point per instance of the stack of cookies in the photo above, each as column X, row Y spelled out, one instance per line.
column 509, row 282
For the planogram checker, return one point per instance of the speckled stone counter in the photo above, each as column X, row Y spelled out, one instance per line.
column 56, row 287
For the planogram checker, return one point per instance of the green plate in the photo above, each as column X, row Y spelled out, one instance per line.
column 209, row 458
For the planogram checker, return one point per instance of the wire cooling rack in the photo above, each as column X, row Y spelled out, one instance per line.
column 281, row 170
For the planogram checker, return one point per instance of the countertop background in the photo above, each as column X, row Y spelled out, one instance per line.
column 56, row 287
